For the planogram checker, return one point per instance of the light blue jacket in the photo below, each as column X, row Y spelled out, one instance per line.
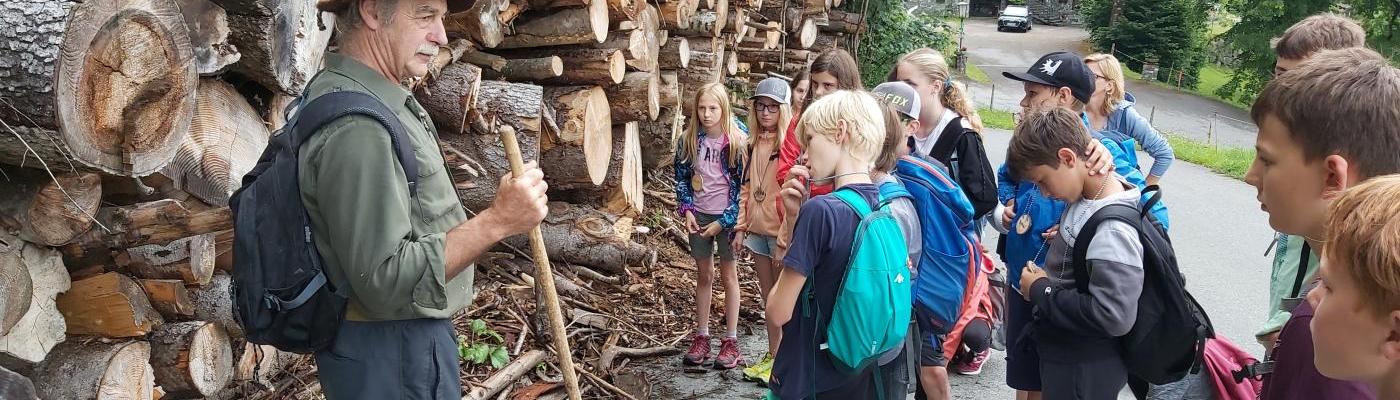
column 1125, row 120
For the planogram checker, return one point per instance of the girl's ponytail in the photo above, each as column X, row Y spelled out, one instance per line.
column 955, row 97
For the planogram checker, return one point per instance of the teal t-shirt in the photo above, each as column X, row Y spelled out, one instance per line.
column 1288, row 250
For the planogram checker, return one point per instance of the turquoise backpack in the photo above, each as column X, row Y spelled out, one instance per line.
column 875, row 298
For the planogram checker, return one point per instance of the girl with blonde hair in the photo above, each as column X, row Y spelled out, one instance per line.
column 759, row 221
column 1111, row 113
column 709, row 167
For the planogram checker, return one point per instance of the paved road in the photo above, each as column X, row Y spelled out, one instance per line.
column 1176, row 111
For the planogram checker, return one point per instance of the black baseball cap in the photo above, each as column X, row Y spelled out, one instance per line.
column 1060, row 69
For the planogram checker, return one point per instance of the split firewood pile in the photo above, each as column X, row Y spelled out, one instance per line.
column 125, row 125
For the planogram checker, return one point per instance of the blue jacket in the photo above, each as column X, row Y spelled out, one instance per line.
column 1125, row 121
column 685, row 195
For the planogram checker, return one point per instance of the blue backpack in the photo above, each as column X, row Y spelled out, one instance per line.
column 951, row 257
column 872, row 309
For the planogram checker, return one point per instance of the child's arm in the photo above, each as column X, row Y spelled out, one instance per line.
column 783, row 299
column 810, row 241
column 1152, row 142
column 1115, row 283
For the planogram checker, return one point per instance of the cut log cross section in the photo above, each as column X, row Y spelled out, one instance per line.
column 90, row 370
column 190, row 260
column 38, row 326
column 47, row 211
column 110, row 305
column 191, row 359
column 125, row 84
column 636, row 99
column 224, row 142
column 282, row 41
column 585, row 124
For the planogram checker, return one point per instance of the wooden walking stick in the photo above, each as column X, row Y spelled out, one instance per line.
column 544, row 277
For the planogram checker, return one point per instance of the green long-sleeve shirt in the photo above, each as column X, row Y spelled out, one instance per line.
column 382, row 248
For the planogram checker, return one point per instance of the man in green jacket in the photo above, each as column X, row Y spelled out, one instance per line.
column 404, row 261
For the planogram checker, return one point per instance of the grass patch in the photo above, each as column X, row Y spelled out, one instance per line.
column 1232, row 162
column 976, row 74
column 1212, row 77
column 996, row 118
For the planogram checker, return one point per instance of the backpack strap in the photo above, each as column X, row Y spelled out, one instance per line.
column 1117, row 211
column 854, row 200
column 1303, row 256
column 332, row 106
column 889, row 191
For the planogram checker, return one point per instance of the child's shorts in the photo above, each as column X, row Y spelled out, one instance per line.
column 1083, row 379
column 762, row 245
column 704, row 247
column 1022, row 359
column 930, row 343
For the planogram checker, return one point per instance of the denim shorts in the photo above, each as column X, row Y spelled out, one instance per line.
column 704, row 247
column 762, row 245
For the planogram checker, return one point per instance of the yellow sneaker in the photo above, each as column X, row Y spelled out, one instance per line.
column 760, row 371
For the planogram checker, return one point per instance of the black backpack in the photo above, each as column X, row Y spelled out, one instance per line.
column 281, row 296
column 1168, row 339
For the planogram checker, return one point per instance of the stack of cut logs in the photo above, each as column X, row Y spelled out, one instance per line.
column 125, row 125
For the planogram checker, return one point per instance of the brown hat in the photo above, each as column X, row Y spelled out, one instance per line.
column 337, row 6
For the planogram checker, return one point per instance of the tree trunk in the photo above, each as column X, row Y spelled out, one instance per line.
column 528, row 69
column 675, row 54
column 282, row 42
column 225, row 140
column 585, row 66
column 669, row 94
column 705, row 23
column 637, row 47
column 37, row 272
column 190, row 259
column 631, row 179
column 208, row 25
column 169, row 297
column 90, row 370
column 806, row 35
column 475, row 158
column 822, row 43
column 157, row 222
column 638, row 98
column 737, row 23
column 214, row 303
column 447, row 96
column 844, row 22
column 191, row 359
column 45, row 211
column 118, row 90
column 752, row 55
column 480, row 23
column 110, row 305
column 677, row 15
column 591, row 238
column 570, row 183
column 619, row 10
column 585, row 122
column 658, row 147
column 223, row 250
column 562, row 27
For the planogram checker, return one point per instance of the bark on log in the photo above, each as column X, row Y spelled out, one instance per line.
column 39, row 326
column 223, row 248
column 637, row 98
column 157, row 222
column 822, row 43
column 844, row 22
column 591, row 238
column 619, row 10
column 737, row 22
column 569, row 183
column 89, row 369
column 657, row 138
column 752, row 55
column 677, row 15
column 585, row 122
column 561, row 27
column 705, row 23
column 447, row 96
column 169, row 297
column 214, row 303
column 585, row 66
column 508, row 375
column 481, row 22
column 110, row 305
column 45, row 211
column 119, row 89
column 281, row 41
column 476, row 159
column 675, row 54
column 16, row 386
column 224, row 142
column 190, row 259
column 191, row 359
column 528, row 69
column 208, row 25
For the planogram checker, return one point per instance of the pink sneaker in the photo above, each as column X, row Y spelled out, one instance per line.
column 729, row 356
column 699, row 350
column 971, row 364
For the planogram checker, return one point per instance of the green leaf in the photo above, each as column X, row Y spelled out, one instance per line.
column 499, row 358
column 498, row 337
column 478, row 353
column 479, row 327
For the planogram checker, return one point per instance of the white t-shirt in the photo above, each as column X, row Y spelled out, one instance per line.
column 924, row 145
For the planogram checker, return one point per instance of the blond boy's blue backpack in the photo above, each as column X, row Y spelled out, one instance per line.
column 873, row 303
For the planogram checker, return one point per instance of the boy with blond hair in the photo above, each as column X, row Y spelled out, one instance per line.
column 1356, row 325
column 842, row 133
column 1318, row 137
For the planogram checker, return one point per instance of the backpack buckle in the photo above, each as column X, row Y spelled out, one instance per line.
column 272, row 302
column 1254, row 370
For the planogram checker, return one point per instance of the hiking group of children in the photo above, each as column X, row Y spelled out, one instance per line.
column 863, row 212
